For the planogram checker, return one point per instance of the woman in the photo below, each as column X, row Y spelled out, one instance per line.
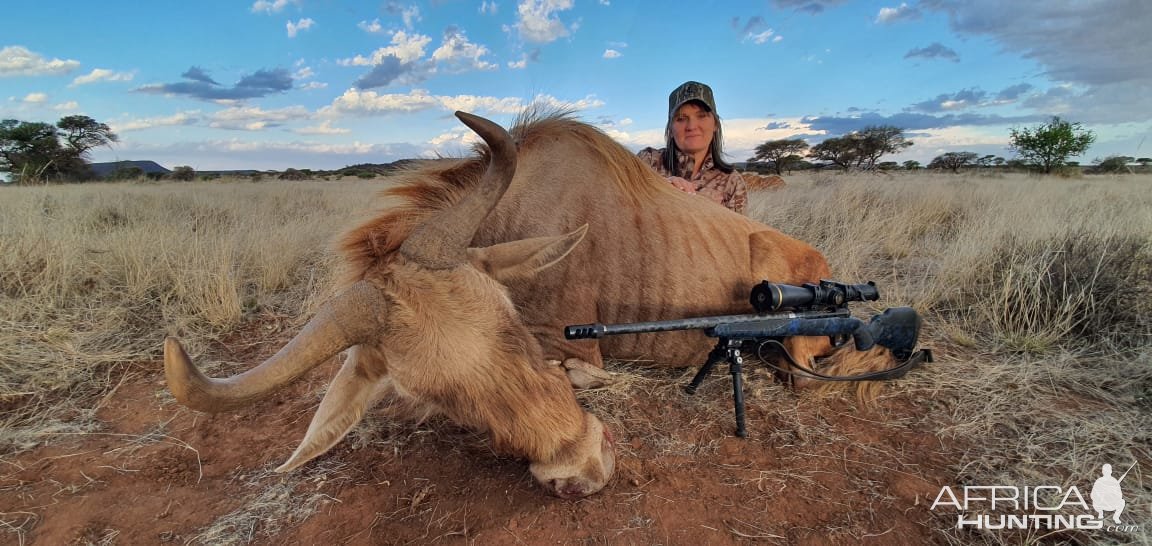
column 692, row 158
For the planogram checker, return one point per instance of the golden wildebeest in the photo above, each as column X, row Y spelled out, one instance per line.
column 427, row 320
column 651, row 252
column 763, row 181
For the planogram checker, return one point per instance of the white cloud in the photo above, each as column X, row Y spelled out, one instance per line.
column 537, row 21
column 66, row 106
column 902, row 13
column 35, row 98
column 457, row 54
column 474, row 103
column 453, row 143
column 314, row 85
column 274, row 6
column 303, row 24
column 585, row 103
column 182, row 118
column 254, row 118
column 405, row 47
column 325, row 128
column 355, row 102
column 488, row 8
column 522, row 63
column 762, row 37
column 373, row 28
column 236, row 145
column 102, row 75
column 19, row 61
column 611, row 54
column 410, row 15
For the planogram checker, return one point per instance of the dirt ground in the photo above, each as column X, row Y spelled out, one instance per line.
column 812, row 471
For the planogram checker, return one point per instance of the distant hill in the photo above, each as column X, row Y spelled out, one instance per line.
column 149, row 167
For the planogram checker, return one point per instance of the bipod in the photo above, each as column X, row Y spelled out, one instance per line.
column 727, row 350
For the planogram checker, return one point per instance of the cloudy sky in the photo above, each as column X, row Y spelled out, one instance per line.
column 272, row 84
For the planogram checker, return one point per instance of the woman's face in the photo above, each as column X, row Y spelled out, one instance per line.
column 693, row 128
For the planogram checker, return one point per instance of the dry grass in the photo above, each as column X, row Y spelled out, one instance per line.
column 276, row 502
column 92, row 277
column 1038, row 299
column 1036, row 292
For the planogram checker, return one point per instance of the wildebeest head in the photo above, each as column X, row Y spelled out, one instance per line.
column 434, row 325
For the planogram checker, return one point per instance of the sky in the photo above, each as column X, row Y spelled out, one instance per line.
column 322, row 84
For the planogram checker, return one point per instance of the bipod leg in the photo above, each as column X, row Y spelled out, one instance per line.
column 735, row 367
column 719, row 353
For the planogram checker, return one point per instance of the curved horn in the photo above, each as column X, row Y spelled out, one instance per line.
column 351, row 318
column 441, row 242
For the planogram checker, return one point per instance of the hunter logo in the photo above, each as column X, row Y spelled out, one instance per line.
column 1046, row 507
column 1106, row 494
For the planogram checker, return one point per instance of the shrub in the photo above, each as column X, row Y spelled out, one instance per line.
column 184, row 173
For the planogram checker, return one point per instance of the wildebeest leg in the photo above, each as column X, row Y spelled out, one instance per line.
column 844, row 361
column 581, row 360
column 356, row 387
column 583, row 375
column 805, row 351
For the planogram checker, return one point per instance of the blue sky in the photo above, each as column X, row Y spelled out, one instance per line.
column 272, row 84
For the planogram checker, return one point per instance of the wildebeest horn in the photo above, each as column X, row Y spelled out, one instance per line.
column 441, row 242
column 352, row 317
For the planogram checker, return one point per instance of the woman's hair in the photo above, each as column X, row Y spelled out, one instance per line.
column 671, row 152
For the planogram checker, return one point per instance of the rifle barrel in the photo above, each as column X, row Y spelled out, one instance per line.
column 598, row 330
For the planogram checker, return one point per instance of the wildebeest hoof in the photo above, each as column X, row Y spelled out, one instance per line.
column 583, row 375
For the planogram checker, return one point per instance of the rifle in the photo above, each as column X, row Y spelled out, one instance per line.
column 784, row 311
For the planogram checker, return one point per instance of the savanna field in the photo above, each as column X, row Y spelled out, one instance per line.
column 1036, row 294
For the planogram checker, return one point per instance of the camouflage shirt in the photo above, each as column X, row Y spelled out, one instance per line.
column 728, row 189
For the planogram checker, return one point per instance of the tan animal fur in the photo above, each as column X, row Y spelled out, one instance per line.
column 430, row 322
column 652, row 253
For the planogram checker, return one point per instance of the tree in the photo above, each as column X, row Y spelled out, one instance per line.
column 911, row 165
column 33, row 151
column 1049, row 145
column 953, row 161
column 29, row 150
column 781, row 152
column 875, row 141
column 83, row 133
column 183, row 173
column 1114, row 164
column 839, row 151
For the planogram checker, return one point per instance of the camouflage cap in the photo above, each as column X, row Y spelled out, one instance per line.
column 689, row 91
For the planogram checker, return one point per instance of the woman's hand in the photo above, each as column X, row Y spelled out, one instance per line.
column 682, row 184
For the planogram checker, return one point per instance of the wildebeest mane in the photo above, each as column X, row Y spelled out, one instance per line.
column 427, row 187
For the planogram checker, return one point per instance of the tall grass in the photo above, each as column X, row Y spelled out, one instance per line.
column 92, row 277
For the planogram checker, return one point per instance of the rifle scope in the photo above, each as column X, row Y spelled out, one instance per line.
column 767, row 296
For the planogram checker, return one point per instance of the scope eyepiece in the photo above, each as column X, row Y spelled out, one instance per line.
column 767, row 296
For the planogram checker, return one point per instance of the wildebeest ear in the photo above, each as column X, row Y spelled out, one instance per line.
column 505, row 261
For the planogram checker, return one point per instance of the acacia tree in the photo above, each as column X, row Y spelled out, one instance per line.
column 953, row 161
column 781, row 152
column 876, row 141
column 1049, row 145
column 33, row 151
column 29, row 151
column 839, row 151
column 83, row 133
